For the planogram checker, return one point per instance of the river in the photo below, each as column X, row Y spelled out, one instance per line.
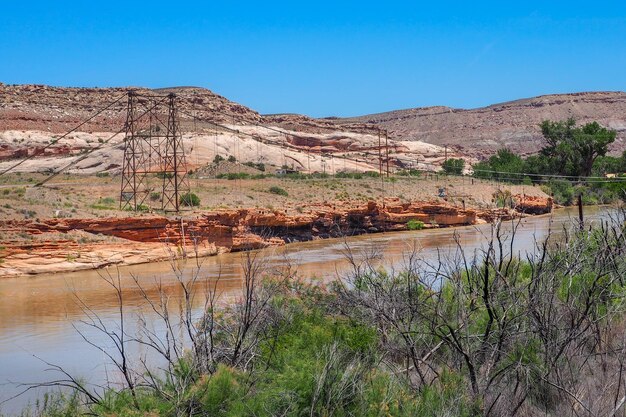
column 39, row 314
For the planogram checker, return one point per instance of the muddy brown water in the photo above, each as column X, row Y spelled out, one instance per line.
column 40, row 315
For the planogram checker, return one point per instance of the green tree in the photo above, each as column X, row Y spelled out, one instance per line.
column 505, row 165
column 454, row 166
column 536, row 165
column 573, row 150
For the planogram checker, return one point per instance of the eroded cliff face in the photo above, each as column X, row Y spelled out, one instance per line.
column 152, row 238
column 208, row 234
column 33, row 117
column 230, row 228
column 57, row 109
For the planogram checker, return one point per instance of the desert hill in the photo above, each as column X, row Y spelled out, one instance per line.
column 58, row 109
column 32, row 116
column 514, row 124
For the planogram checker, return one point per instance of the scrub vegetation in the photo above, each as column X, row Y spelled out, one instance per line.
column 481, row 334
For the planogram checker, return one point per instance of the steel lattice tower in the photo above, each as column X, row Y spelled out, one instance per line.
column 153, row 149
column 174, row 165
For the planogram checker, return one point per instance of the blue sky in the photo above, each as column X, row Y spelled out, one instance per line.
column 321, row 58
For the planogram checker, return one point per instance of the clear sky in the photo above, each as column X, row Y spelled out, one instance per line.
column 321, row 58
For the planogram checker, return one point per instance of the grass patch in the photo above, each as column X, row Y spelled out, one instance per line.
column 278, row 191
column 106, row 203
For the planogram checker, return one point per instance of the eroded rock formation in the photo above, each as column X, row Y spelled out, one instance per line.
column 533, row 204
column 209, row 233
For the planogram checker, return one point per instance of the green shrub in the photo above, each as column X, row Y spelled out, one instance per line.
column 259, row 165
column 218, row 158
column 414, row 225
column 589, row 199
column 561, row 190
column 164, row 175
column 453, row 166
column 279, row 191
column 409, row 173
column 155, row 196
column 261, row 176
column 28, row 214
column 106, row 203
column 189, row 199
column 232, row 159
column 617, row 190
column 233, row 176
column 503, row 198
column 297, row 176
column 352, row 175
column 140, row 207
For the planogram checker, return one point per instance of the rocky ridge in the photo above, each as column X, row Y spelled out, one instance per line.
column 57, row 109
column 33, row 116
column 515, row 124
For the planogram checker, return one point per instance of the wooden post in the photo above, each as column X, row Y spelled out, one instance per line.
column 580, row 212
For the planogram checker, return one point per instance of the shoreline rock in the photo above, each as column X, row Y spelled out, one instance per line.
column 157, row 238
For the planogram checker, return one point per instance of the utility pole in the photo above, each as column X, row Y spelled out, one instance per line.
column 380, row 157
column 581, row 218
column 387, row 149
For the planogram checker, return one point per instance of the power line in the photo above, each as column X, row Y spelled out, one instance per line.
column 90, row 151
column 260, row 139
column 54, row 141
column 527, row 174
column 546, row 180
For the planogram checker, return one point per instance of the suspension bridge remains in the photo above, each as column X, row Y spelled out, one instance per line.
column 154, row 165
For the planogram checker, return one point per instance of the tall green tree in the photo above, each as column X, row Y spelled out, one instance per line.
column 573, row 149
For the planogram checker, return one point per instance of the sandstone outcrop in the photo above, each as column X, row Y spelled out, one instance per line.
column 533, row 204
column 145, row 239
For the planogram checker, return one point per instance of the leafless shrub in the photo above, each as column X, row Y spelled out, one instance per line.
column 532, row 335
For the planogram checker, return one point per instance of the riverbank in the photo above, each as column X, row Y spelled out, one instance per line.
column 351, row 332
column 71, row 244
